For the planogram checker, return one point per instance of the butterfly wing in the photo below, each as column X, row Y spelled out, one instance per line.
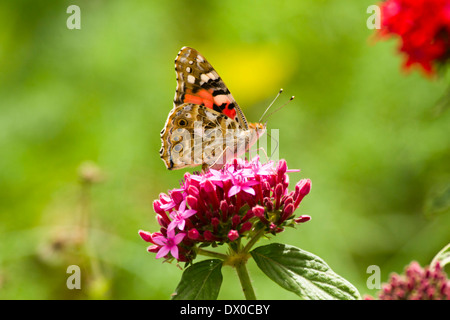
column 195, row 135
column 199, row 83
column 206, row 126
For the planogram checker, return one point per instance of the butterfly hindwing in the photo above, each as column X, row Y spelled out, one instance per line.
column 185, row 145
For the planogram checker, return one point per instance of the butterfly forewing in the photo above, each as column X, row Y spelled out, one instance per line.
column 206, row 126
column 199, row 83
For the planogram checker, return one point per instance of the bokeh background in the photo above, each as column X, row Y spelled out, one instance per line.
column 81, row 111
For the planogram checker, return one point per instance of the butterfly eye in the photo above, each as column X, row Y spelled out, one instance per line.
column 182, row 122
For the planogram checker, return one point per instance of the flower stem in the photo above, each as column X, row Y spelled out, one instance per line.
column 246, row 284
column 253, row 240
column 212, row 254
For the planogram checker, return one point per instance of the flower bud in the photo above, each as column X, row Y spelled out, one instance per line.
column 164, row 198
column 163, row 222
column 302, row 188
column 153, row 249
column 187, row 178
column 258, row 211
column 209, row 186
column 223, row 206
column 177, row 196
column 146, row 236
column 302, row 219
column 288, row 200
column 215, row 223
column 193, row 191
column 268, row 204
column 287, row 212
column 233, row 235
column 210, row 190
column 245, row 227
column 193, row 234
column 235, row 221
column 192, row 202
column 281, row 169
column 278, row 193
column 266, row 189
column 157, row 207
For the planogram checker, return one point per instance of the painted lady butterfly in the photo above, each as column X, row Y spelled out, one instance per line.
column 206, row 126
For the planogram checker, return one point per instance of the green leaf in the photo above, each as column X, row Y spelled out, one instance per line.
column 201, row 281
column 303, row 273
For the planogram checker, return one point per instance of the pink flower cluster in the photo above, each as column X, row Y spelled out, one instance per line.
column 417, row 284
column 221, row 206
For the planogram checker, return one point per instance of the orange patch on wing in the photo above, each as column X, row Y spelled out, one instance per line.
column 201, row 97
column 206, row 98
column 189, row 98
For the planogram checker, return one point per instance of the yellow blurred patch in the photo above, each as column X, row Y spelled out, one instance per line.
column 252, row 73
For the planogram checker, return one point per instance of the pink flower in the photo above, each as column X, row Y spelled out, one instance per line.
column 219, row 177
column 256, row 168
column 179, row 217
column 241, row 184
column 168, row 244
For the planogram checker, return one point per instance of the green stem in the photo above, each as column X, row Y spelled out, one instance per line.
column 253, row 240
column 212, row 254
column 246, row 284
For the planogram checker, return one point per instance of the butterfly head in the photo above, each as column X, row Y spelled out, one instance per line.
column 257, row 128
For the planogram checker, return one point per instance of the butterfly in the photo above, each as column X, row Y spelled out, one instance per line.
column 206, row 126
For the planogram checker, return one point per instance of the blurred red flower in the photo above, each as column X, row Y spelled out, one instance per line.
column 417, row 283
column 423, row 27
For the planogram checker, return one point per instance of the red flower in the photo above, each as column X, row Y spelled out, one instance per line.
column 423, row 27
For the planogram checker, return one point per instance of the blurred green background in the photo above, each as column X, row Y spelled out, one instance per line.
column 372, row 138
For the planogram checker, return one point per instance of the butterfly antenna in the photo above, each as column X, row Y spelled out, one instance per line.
column 279, row 92
column 292, row 98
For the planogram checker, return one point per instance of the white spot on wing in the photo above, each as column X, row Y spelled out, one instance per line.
column 190, row 79
column 204, row 77
column 212, row 76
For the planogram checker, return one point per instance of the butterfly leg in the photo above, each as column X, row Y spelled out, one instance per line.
column 222, row 158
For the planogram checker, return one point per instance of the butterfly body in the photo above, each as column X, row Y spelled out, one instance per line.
column 206, row 126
